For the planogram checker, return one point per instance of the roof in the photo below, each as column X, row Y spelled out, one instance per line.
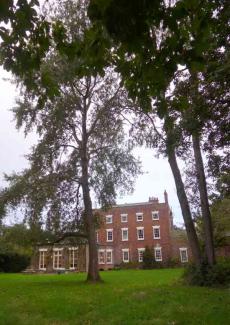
column 136, row 204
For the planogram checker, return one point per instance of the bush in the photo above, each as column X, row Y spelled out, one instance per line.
column 13, row 262
column 148, row 260
column 172, row 262
column 205, row 275
column 129, row 265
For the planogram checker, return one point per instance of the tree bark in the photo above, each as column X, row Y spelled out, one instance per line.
column 93, row 273
column 189, row 225
column 208, row 231
column 181, row 194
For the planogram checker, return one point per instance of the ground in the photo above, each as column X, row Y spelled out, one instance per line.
column 125, row 297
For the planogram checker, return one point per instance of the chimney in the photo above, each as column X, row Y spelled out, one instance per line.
column 166, row 196
column 153, row 199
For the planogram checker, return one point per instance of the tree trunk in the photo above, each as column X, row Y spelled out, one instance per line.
column 189, row 225
column 181, row 194
column 208, row 231
column 93, row 273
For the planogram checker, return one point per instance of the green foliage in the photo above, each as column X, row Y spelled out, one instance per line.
column 206, row 275
column 25, row 39
column 172, row 262
column 128, row 266
column 19, row 239
column 159, row 36
column 220, row 213
column 79, row 129
column 221, row 222
column 13, row 262
column 148, row 258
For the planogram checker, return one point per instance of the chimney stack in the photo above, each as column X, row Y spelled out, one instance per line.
column 153, row 199
column 166, row 196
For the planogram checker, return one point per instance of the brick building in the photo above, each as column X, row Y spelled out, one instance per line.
column 128, row 228
column 125, row 231
column 70, row 254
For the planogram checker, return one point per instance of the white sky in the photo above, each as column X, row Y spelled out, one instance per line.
column 157, row 174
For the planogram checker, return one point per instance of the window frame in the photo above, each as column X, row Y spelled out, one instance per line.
column 107, row 217
column 122, row 237
column 97, row 236
column 107, row 231
column 154, row 236
column 139, row 214
column 42, row 256
column 183, row 249
column 109, row 251
column 72, row 258
column 125, row 250
column 59, row 259
column 101, row 251
column 158, row 215
column 140, row 228
column 140, row 250
column 155, row 257
column 124, row 215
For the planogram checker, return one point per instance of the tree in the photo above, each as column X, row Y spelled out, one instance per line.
column 148, row 258
column 147, row 51
column 81, row 146
column 166, row 34
column 203, row 100
column 25, row 39
column 221, row 222
column 189, row 102
column 166, row 137
column 21, row 239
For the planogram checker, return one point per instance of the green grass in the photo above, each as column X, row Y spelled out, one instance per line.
column 125, row 297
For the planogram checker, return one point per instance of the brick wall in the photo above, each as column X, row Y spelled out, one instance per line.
column 133, row 244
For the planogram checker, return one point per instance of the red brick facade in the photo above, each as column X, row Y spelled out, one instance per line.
column 149, row 220
column 125, row 231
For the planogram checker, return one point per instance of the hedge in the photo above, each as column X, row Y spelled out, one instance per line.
column 13, row 262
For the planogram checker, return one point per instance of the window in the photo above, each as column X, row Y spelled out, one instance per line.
column 109, row 256
column 109, row 234
column 73, row 257
column 97, row 237
column 42, row 258
column 101, row 256
column 158, row 254
column 155, row 215
column 140, row 254
column 57, row 258
column 139, row 216
column 109, row 219
column 125, row 255
column 140, row 233
column 184, row 255
column 124, row 218
column 124, row 234
column 156, row 232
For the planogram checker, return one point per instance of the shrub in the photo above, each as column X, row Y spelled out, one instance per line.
column 148, row 260
column 129, row 265
column 172, row 262
column 205, row 275
column 13, row 262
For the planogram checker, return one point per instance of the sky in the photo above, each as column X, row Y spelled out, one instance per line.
column 156, row 176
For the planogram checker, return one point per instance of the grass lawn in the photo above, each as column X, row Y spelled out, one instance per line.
column 125, row 297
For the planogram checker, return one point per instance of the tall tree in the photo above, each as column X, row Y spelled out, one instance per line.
column 167, row 33
column 81, row 141
column 148, row 48
column 167, row 137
